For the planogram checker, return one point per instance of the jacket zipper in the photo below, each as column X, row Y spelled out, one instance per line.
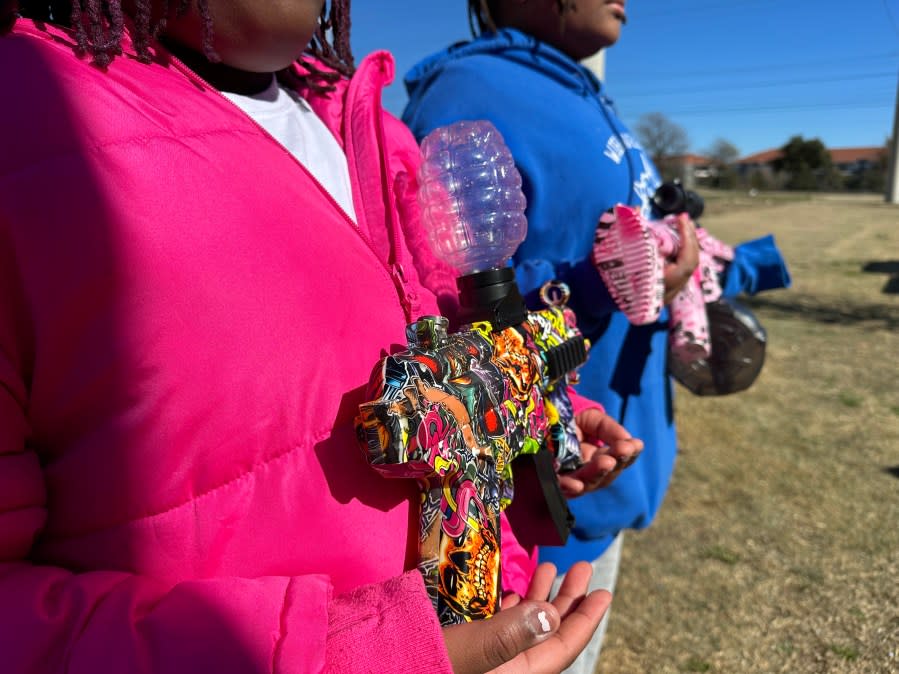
column 394, row 261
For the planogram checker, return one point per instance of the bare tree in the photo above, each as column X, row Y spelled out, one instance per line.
column 723, row 154
column 663, row 140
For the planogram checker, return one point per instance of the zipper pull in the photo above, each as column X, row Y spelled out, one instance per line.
column 408, row 298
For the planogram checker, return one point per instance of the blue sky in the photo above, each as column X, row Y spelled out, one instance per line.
column 753, row 72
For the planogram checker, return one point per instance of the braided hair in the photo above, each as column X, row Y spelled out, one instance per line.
column 336, row 54
column 99, row 26
column 481, row 14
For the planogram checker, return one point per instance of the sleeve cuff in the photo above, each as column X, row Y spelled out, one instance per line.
column 580, row 403
column 758, row 265
column 386, row 627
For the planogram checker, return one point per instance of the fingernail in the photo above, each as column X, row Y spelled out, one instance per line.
column 544, row 622
column 540, row 624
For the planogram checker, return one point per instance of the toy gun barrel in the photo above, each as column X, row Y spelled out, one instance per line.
column 671, row 198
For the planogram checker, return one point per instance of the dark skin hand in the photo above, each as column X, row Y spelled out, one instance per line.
column 531, row 635
column 677, row 273
column 606, row 449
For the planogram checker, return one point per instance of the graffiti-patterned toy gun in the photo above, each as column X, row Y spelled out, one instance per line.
column 455, row 410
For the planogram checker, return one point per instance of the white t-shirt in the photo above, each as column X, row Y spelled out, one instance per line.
column 292, row 122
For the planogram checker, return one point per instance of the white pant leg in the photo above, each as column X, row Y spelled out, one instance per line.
column 605, row 573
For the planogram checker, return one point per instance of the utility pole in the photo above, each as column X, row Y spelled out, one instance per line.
column 892, row 193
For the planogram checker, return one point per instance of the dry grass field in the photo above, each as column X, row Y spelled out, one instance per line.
column 777, row 549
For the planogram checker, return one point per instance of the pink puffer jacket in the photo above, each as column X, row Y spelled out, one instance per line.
column 187, row 321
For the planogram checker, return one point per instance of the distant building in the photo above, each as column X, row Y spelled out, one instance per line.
column 689, row 168
column 759, row 160
column 758, row 169
column 699, row 166
column 847, row 160
column 856, row 166
column 855, row 160
column 859, row 168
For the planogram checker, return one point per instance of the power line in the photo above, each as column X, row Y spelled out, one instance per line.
column 752, row 85
column 750, row 4
column 771, row 108
column 759, row 67
column 731, row 4
column 889, row 12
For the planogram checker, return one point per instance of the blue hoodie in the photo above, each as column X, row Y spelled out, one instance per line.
column 577, row 159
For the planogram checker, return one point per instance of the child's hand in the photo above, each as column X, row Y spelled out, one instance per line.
column 606, row 448
column 677, row 273
column 531, row 634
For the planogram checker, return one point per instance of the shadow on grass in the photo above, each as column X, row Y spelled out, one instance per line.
column 890, row 267
column 805, row 307
column 893, row 470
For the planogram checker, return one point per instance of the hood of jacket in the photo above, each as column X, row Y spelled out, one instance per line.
column 514, row 46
